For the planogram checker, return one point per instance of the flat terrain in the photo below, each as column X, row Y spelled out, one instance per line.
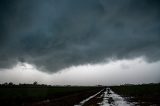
column 31, row 95
column 143, row 95
column 42, row 95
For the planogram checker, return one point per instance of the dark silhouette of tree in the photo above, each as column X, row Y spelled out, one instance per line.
column 10, row 84
column 35, row 83
column 5, row 84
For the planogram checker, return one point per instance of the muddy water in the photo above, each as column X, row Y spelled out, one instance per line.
column 112, row 99
column 109, row 98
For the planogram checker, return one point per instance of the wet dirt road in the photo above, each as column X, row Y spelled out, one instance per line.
column 105, row 97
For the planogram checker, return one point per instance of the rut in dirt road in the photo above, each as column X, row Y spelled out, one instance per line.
column 112, row 99
column 105, row 97
column 89, row 99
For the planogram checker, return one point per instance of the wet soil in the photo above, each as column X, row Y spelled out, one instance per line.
column 95, row 100
column 69, row 100
column 144, row 100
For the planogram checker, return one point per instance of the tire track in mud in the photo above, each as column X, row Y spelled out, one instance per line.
column 112, row 99
column 92, row 100
column 105, row 97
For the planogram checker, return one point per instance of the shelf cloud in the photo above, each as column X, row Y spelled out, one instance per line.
column 56, row 34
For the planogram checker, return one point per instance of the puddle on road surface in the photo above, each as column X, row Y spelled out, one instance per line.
column 109, row 99
column 112, row 99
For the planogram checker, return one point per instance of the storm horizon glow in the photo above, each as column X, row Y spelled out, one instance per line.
column 136, row 71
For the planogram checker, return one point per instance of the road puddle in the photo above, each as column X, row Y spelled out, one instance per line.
column 112, row 99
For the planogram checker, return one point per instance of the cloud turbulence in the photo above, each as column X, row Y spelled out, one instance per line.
column 56, row 34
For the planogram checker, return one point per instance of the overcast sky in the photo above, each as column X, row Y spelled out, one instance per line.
column 80, row 42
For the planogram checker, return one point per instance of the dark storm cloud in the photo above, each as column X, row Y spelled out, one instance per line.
column 55, row 34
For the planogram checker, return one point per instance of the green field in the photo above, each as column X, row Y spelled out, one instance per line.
column 24, row 94
column 145, row 94
column 38, row 92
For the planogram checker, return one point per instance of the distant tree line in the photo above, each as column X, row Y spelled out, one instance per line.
column 34, row 84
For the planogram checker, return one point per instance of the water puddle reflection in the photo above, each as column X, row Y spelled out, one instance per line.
column 112, row 99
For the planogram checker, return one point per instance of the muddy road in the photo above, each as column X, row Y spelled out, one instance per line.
column 105, row 97
column 136, row 95
column 96, row 97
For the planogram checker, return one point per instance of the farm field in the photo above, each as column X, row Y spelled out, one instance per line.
column 42, row 95
column 143, row 95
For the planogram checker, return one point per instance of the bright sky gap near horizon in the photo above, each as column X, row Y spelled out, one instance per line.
column 80, row 42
